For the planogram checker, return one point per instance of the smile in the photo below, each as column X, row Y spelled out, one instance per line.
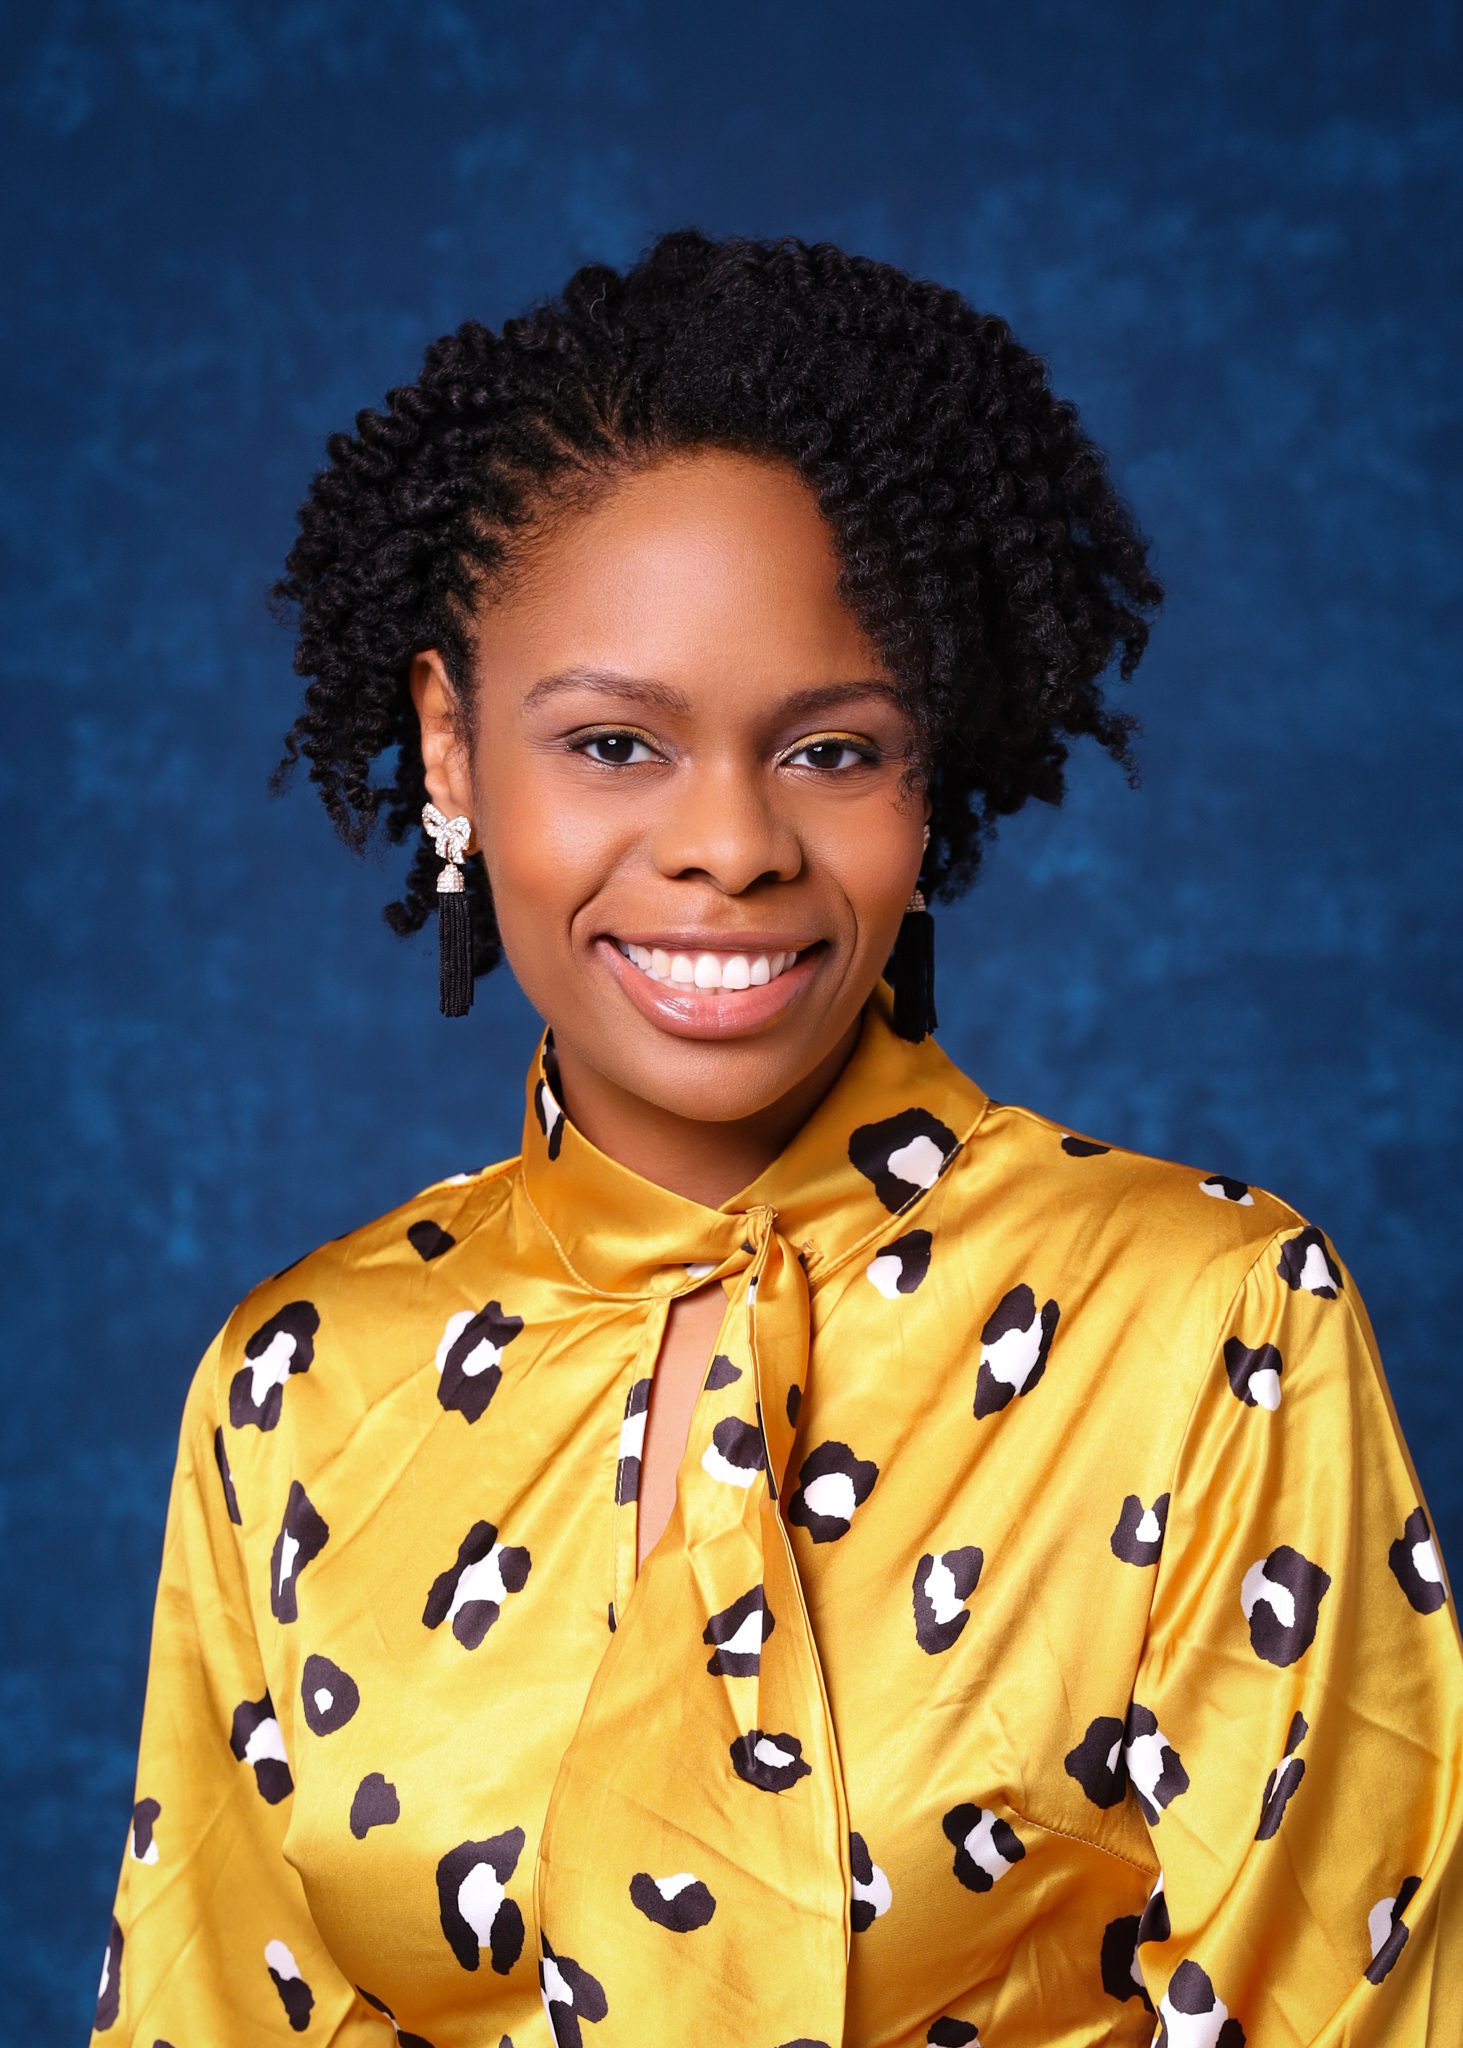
column 708, row 970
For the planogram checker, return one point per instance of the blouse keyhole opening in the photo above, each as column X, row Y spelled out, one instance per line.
column 693, row 1324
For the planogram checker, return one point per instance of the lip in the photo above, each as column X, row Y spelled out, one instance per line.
column 684, row 940
column 689, row 1012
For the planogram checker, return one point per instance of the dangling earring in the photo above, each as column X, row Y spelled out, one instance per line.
column 911, row 969
column 454, row 910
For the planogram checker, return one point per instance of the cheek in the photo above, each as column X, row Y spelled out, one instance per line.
column 874, row 859
column 544, row 856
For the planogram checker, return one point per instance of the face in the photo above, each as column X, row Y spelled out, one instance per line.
column 689, row 785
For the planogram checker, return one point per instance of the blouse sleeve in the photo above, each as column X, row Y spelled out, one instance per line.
column 1295, row 1740
column 211, row 1938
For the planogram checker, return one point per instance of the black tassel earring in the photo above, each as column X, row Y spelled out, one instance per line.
column 454, row 910
column 911, row 969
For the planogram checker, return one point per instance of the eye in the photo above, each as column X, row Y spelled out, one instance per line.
column 614, row 749
column 830, row 755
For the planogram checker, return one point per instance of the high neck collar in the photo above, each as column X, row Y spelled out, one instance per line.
column 872, row 1149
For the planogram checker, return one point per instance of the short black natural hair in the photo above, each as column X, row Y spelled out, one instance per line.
column 983, row 546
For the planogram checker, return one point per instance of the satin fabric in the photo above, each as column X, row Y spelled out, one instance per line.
column 1048, row 1646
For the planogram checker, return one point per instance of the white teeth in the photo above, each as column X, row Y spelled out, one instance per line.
column 708, row 970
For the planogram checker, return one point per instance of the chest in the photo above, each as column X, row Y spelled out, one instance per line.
column 950, row 1560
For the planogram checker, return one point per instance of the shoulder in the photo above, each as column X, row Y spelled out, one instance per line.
column 1180, row 1238
column 1080, row 1168
column 359, row 1298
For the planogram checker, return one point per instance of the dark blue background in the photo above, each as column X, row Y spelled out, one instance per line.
column 1232, row 232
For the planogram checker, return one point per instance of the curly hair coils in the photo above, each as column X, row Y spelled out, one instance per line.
column 984, row 548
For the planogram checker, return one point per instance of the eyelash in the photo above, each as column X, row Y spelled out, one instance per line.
column 864, row 753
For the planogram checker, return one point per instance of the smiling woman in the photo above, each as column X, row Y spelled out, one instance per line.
column 804, row 1553
column 735, row 798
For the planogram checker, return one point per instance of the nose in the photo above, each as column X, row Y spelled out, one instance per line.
column 725, row 827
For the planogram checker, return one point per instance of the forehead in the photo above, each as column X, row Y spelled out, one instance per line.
column 706, row 568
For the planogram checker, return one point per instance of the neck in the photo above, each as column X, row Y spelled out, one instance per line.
column 705, row 1162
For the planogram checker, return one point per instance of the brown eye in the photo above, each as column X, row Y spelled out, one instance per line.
column 615, row 749
column 829, row 755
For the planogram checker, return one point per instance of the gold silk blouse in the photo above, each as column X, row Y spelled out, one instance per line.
column 1048, row 1646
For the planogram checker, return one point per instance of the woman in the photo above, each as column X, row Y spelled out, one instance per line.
column 805, row 1553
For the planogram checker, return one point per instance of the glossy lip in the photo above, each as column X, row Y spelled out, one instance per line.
column 684, row 940
column 689, row 1012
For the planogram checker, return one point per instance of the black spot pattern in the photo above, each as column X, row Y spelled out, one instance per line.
column 1138, row 1537
column 739, row 1632
column 109, row 1989
column 1416, row 1565
column 256, row 1740
column 773, row 1763
column 1155, row 1769
column 722, row 1372
column 1281, row 1596
column 901, row 1266
column 986, row 1846
column 550, row 1118
column 736, row 1453
column 1078, row 1148
column 328, row 1695
column 283, row 1345
column 1154, row 1923
column 681, row 1903
column 428, row 1238
column 468, row 1358
column 1254, row 1375
column 570, row 1994
column 473, row 1904
column 949, row 2032
column 1097, row 1762
column 1306, row 1261
column 142, row 1846
column 295, row 1994
column 221, row 1458
column 1224, row 1189
column 1014, row 1346
column 1190, row 1995
column 871, row 1894
column 943, row 1581
column 1118, row 1963
column 1388, row 1930
column 632, row 1442
column 903, row 1155
column 374, row 1806
column 472, row 1591
column 302, row 1536
column 403, row 2038
column 832, row 1483
column 1282, row 1782
column 794, row 1403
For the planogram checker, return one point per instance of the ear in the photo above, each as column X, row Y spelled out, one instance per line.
column 444, row 758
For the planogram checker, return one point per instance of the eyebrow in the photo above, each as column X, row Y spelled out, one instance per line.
column 608, row 682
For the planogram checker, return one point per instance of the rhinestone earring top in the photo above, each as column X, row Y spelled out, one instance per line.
column 911, row 969
column 450, row 837
column 454, row 910
column 917, row 895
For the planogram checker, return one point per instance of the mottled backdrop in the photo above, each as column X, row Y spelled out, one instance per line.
column 229, row 226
